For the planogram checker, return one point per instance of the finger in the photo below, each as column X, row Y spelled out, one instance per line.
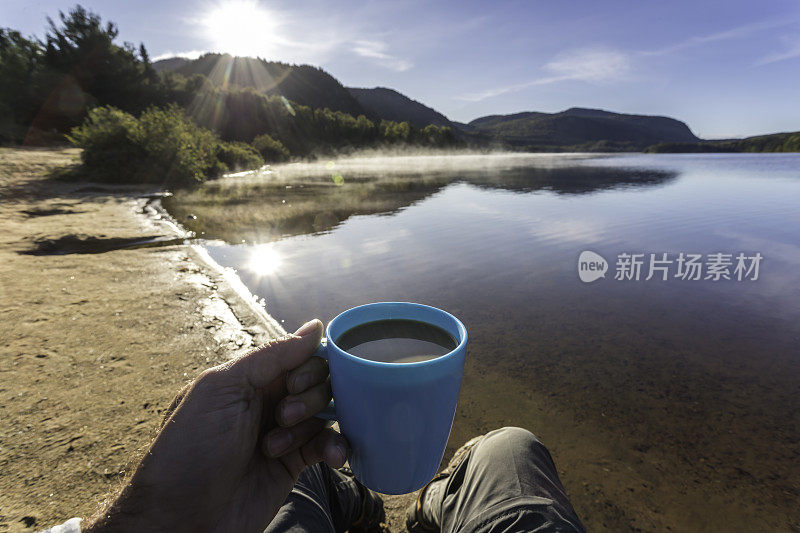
column 265, row 364
column 279, row 441
column 305, row 376
column 298, row 407
column 327, row 445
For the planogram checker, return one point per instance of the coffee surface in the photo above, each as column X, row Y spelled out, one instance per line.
column 396, row 341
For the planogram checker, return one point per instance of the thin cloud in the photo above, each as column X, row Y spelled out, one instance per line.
column 592, row 65
column 191, row 54
column 489, row 93
column 733, row 33
column 602, row 65
column 791, row 51
column 595, row 65
column 376, row 50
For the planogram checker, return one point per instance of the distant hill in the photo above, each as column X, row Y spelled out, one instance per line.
column 776, row 142
column 578, row 128
column 389, row 104
column 302, row 84
column 170, row 63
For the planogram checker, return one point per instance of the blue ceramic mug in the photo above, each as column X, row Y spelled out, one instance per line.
column 396, row 416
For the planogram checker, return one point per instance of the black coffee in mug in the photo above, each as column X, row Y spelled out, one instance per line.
column 396, row 341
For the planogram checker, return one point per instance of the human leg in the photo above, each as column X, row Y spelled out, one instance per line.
column 505, row 482
column 324, row 499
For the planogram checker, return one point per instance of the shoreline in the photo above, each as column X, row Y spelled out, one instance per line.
column 233, row 291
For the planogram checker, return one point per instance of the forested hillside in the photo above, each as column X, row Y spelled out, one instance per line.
column 389, row 104
column 302, row 84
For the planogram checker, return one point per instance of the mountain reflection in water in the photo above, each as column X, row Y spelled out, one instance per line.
column 260, row 207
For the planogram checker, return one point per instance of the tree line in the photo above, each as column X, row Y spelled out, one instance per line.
column 776, row 142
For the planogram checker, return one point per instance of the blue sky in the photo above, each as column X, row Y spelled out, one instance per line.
column 727, row 68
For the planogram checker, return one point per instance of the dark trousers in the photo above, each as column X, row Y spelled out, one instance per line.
column 507, row 482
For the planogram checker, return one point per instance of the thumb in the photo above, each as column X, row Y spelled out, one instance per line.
column 265, row 364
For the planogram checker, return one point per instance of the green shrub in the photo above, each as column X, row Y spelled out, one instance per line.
column 270, row 149
column 111, row 151
column 177, row 151
column 238, row 156
column 163, row 146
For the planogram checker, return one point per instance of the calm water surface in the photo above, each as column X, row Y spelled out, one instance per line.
column 695, row 369
column 506, row 256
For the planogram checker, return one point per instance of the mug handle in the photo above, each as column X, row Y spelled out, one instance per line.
column 329, row 412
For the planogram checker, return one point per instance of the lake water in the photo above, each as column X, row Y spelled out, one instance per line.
column 682, row 393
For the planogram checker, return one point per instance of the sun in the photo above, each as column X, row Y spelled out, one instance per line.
column 241, row 28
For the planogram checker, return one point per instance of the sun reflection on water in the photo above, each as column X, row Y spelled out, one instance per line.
column 264, row 260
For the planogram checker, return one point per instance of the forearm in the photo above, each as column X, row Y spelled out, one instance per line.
column 121, row 514
column 134, row 508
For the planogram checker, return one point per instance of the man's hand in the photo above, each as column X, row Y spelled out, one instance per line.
column 231, row 451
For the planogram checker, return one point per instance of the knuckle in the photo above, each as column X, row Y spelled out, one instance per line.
column 277, row 341
column 274, row 346
column 208, row 377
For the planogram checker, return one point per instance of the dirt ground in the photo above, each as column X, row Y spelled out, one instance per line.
column 94, row 345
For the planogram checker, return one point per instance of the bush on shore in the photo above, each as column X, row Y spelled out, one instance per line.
column 270, row 149
column 238, row 156
column 163, row 146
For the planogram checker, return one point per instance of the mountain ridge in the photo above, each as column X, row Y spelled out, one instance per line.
column 390, row 104
column 575, row 128
column 302, row 84
column 578, row 126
